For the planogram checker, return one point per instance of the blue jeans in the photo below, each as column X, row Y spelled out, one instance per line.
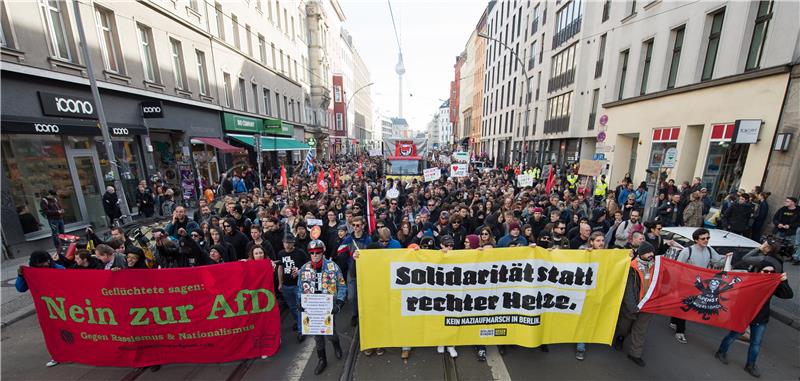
column 756, row 335
column 352, row 293
column 56, row 228
column 292, row 298
column 581, row 347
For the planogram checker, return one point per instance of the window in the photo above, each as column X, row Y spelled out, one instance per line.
column 258, row 5
column 285, row 22
column 57, row 27
column 568, row 21
column 606, row 9
column 177, row 64
column 237, row 42
column 676, row 56
column 623, row 59
column 148, row 53
column 202, row 72
column 262, row 49
column 269, row 9
column 713, row 44
column 267, row 102
column 6, row 35
column 535, row 26
column 285, row 106
column 226, row 79
column 593, row 114
column 278, row 105
column 249, row 35
column 598, row 67
column 283, row 68
column 193, row 5
column 559, row 106
column 532, row 58
column 109, row 43
column 633, row 8
column 337, row 94
column 243, row 94
column 562, row 69
column 254, row 87
column 295, row 70
column 293, row 35
column 541, row 51
column 220, row 21
column 763, row 16
column 648, row 55
column 339, row 121
column 273, row 57
column 278, row 13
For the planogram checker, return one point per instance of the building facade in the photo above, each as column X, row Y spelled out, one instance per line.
column 699, row 91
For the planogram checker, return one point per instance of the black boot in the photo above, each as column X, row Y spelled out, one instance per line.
column 337, row 350
column 323, row 362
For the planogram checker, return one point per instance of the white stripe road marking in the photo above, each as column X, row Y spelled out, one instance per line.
column 496, row 364
column 299, row 365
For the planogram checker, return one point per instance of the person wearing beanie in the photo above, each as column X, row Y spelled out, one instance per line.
column 40, row 259
column 769, row 265
column 513, row 238
column 632, row 324
column 472, row 241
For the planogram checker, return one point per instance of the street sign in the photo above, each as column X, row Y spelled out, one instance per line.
column 599, row 156
column 670, row 157
column 603, row 119
column 601, row 137
column 311, row 142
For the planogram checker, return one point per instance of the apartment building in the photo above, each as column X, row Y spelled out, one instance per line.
column 701, row 90
column 185, row 85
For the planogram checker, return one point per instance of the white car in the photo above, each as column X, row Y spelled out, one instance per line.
column 722, row 241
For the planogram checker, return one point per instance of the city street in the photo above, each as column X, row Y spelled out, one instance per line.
column 666, row 360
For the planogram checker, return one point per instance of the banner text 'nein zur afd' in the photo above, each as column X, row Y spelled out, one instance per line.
column 522, row 296
column 136, row 318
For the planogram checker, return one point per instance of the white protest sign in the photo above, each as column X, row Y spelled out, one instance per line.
column 317, row 318
column 314, row 222
column 392, row 193
column 432, row 174
column 459, row 170
column 461, row 157
column 444, row 159
column 524, row 181
column 375, row 152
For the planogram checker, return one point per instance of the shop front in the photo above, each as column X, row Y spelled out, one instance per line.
column 275, row 143
column 688, row 132
column 43, row 154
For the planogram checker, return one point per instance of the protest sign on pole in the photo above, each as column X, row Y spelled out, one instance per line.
column 591, row 167
column 524, row 181
column 138, row 318
column 432, row 174
column 512, row 296
column 317, row 318
column 461, row 157
column 459, row 170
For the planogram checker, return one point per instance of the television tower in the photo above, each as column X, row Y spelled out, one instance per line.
column 400, row 70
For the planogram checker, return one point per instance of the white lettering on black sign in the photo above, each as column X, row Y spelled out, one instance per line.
column 74, row 106
column 46, row 128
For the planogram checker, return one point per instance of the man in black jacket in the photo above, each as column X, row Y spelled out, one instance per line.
column 738, row 218
column 787, row 224
column 111, row 205
column 235, row 238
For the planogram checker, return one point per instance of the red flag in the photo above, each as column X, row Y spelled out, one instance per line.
column 321, row 187
column 551, row 179
column 284, row 181
column 729, row 300
column 370, row 212
column 337, row 184
column 359, row 174
column 330, row 175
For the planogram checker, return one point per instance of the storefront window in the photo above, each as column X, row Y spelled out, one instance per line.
column 206, row 160
column 656, row 164
column 35, row 164
column 129, row 164
column 723, row 170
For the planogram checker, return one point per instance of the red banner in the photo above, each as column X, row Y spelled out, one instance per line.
column 729, row 300
column 138, row 318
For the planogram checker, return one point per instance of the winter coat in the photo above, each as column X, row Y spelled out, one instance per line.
column 111, row 205
column 693, row 214
column 738, row 218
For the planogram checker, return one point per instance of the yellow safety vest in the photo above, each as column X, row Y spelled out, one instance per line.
column 572, row 179
column 536, row 173
column 600, row 189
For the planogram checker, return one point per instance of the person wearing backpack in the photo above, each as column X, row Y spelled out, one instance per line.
column 700, row 255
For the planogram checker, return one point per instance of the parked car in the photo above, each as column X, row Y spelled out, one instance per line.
column 722, row 241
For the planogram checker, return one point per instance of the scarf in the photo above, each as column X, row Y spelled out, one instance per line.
column 317, row 266
column 644, row 267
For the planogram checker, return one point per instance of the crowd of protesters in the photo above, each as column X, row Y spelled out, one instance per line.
column 304, row 225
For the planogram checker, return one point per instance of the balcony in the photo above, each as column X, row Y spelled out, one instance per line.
column 568, row 32
column 560, row 81
column 592, row 118
column 556, row 125
column 598, row 69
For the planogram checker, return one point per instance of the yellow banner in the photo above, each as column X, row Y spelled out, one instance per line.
column 520, row 296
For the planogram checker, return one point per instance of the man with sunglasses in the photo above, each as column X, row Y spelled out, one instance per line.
column 700, row 255
column 322, row 276
column 357, row 240
column 556, row 239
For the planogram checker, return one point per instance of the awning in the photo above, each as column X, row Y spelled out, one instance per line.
column 216, row 143
column 269, row 143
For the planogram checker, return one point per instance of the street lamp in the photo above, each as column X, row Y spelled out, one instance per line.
column 524, row 72
column 347, row 104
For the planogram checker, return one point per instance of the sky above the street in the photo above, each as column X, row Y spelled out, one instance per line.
column 432, row 34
